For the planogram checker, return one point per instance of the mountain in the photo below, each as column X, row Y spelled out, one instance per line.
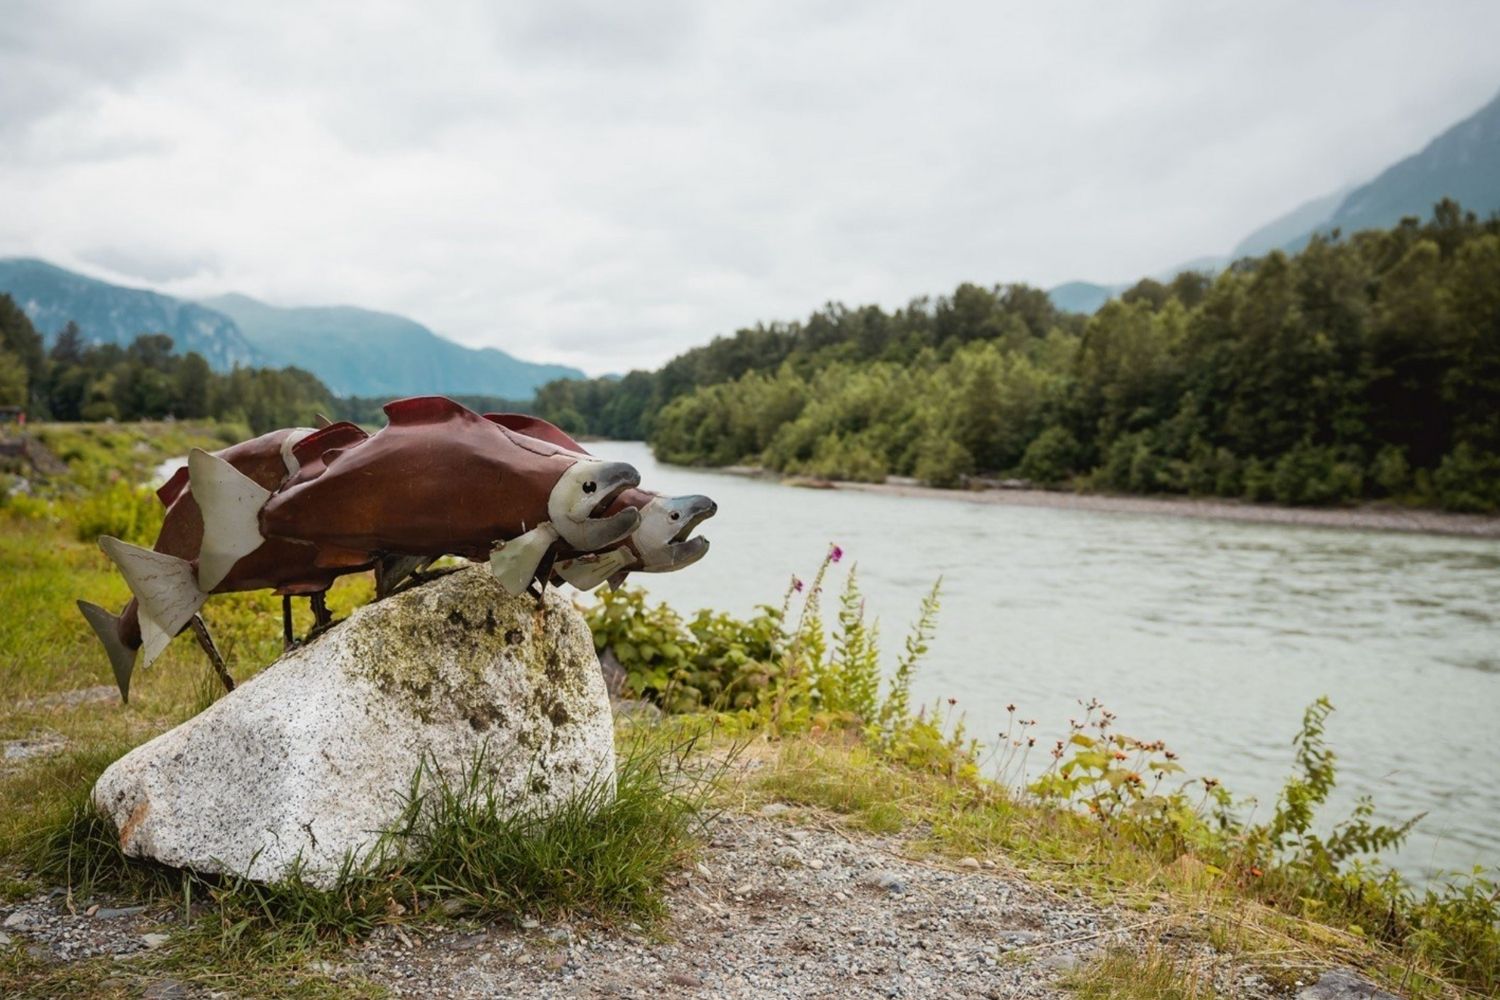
column 1082, row 296
column 1292, row 230
column 110, row 314
column 357, row 352
column 1463, row 164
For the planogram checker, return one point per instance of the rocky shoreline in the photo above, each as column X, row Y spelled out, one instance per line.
column 1367, row 517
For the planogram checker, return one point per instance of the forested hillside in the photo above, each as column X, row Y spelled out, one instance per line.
column 1360, row 368
column 144, row 380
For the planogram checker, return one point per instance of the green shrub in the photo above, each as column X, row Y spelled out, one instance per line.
column 1309, row 474
column 125, row 511
column 942, row 461
column 1390, row 470
column 1468, row 480
column 1052, row 457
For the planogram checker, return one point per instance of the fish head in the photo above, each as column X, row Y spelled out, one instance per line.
column 581, row 498
column 665, row 539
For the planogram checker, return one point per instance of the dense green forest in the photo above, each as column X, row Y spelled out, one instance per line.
column 75, row 380
column 1363, row 367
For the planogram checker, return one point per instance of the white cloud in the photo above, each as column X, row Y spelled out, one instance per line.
column 607, row 184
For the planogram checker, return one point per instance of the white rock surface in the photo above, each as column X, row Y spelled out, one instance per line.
column 314, row 756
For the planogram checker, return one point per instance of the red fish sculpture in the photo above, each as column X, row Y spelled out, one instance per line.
column 269, row 460
column 437, row 480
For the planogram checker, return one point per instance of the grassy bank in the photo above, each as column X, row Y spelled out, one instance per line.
column 800, row 690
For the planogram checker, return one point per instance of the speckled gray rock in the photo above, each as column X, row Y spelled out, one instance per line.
column 315, row 755
column 1343, row 984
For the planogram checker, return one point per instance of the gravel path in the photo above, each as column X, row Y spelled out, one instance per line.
column 780, row 905
column 776, row 910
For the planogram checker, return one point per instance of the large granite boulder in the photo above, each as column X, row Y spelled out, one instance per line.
column 313, row 758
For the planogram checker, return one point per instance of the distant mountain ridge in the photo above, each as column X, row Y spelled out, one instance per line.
column 355, row 352
column 367, row 353
column 1463, row 163
column 109, row 314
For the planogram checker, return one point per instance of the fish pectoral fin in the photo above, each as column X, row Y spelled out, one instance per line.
column 515, row 562
column 618, row 580
column 121, row 657
column 231, row 503
column 587, row 572
column 164, row 585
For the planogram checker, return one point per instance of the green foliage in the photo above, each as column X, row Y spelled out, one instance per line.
column 1310, row 379
column 1052, row 457
column 1121, row 973
column 787, row 675
column 712, row 660
column 144, row 381
column 120, row 509
column 1469, row 480
column 1309, row 474
column 457, row 849
column 1334, row 874
column 607, row 850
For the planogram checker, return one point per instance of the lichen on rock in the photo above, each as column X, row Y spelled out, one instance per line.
column 314, row 757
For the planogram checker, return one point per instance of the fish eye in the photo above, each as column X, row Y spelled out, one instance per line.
column 676, row 516
column 590, row 486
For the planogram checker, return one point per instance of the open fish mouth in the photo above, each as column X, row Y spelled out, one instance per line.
column 581, row 497
column 681, row 548
column 694, row 511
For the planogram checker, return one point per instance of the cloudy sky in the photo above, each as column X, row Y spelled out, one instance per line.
column 605, row 184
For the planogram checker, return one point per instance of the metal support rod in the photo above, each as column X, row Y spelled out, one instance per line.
column 200, row 630
column 287, row 639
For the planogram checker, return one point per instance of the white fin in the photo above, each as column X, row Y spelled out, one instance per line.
column 514, row 562
column 230, row 502
column 121, row 657
column 587, row 572
column 164, row 586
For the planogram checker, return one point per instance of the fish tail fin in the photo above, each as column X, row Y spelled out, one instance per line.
column 164, row 585
column 121, row 657
column 231, row 503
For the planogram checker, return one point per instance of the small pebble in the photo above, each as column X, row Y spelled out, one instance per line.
column 155, row 940
column 110, row 912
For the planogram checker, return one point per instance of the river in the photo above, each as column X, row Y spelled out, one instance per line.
column 1211, row 635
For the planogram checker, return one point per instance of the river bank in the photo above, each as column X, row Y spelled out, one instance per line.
column 1367, row 517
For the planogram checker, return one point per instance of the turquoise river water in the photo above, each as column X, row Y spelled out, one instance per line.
column 1210, row 635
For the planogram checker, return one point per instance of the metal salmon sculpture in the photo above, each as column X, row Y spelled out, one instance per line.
column 438, row 480
column 663, row 543
column 269, row 460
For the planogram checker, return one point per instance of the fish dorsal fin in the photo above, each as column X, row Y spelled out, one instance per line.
column 540, row 446
column 319, row 443
column 426, row 410
column 536, row 427
column 173, row 488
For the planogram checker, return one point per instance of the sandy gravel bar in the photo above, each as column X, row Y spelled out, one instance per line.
column 1364, row 518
